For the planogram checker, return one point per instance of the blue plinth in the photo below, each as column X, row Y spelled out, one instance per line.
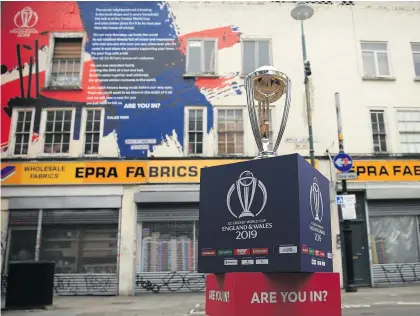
column 264, row 215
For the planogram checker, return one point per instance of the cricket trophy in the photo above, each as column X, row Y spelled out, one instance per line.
column 265, row 223
column 263, row 87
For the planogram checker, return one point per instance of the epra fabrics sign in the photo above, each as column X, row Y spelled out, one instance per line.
column 106, row 172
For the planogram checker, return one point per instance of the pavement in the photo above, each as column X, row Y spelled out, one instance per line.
column 404, row 301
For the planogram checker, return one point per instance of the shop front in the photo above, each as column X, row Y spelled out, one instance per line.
column 167, row 240
column 391, row 191
column 78, row 233
column 111, row 227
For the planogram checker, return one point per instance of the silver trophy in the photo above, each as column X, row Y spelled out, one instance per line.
column 265, row 86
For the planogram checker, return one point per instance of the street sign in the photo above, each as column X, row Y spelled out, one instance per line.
column 343, row 162
column 348, row 205
column 346, row 176
column 345, row 199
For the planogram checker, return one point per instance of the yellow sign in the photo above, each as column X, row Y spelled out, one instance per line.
column 387, row 170
column 107, row 172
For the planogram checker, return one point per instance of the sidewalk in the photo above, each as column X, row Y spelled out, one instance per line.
column 170, row 304
column 363, row 298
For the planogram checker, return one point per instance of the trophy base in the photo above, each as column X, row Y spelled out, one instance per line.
column 266, row 154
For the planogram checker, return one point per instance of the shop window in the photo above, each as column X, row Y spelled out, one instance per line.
column 395, row 239
column 169, row 246
column 22, row 244
column 58, row 130
column 201, row 57
column 23, row 121
column 93, row 130
column 80, row 249
column 255, row 54
column 66, row 65
column 230, row 131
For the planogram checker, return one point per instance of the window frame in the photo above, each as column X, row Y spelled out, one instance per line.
column 404, row 109
column 186, row 130
column 187, row 58
column 12, row 135
column 48, row 71
column 377, row 75
column 216, row 124
column 83, row 128
column 387, row 140
column 415, row 52
column 255, row 39
column 43, row 127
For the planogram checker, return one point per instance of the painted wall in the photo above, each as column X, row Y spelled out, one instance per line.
column 125, row 74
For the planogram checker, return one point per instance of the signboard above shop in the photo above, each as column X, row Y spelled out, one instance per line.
column 107, row 172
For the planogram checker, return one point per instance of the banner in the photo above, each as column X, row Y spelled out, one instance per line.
column 387, row 170
column 106, row 172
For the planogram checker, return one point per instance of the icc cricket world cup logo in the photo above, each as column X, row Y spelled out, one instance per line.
column 245, row 188
column 26, row 18
column 315, row 200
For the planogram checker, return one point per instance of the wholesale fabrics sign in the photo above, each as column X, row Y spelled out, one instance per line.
column 133, row 66
column 107, row 172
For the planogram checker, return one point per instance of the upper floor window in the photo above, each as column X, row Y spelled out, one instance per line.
column 58, row 131
column 23, row 130
column 66, row 61
column 378, row 131
column 375, row 59
column 255, row 54
column 201, row 56
column 195, row 130
column 93, row 131
column 415, row 47
column 230, row 131
column 409, row 130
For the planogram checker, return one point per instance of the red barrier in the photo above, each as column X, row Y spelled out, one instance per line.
column 259, row 294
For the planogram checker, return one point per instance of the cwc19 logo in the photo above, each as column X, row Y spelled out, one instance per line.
column 246, row 187
column 25, row 20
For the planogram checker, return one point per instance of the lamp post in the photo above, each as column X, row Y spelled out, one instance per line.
column 302, row 12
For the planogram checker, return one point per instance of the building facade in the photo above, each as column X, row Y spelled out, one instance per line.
column 110, row 110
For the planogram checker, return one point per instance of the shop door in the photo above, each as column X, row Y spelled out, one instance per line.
column 360, row 254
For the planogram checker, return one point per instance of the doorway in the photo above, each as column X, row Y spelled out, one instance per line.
column 360, row 245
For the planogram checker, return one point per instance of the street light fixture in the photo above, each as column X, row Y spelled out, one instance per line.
column 302, row 12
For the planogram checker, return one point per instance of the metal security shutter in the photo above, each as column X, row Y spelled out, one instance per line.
column 95, row 216
column 23, row 218
column 148, row 212
column 393, row 207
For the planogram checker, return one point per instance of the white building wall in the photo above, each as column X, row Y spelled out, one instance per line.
column 333, row 38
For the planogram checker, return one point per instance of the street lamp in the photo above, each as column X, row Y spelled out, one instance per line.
column 302, row 12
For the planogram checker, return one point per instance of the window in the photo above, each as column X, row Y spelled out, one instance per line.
column 174, row 241
column 80, row 248
column 58, row 127
column 230, row 131
column 66, row 62
column 93, row 131
column 255, row 54
column 23, row 131
column 375, row 59
column 378, row 131
column 201, row 57
column 415, row 47
column 409, row 129
column 195, row 131
column 395, row 239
